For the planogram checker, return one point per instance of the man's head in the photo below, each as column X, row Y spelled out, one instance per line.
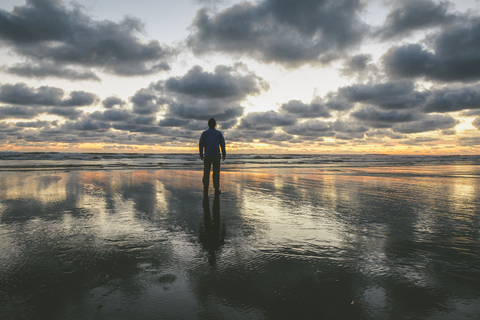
column 212, row 123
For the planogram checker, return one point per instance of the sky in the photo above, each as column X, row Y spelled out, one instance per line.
column 279, row 76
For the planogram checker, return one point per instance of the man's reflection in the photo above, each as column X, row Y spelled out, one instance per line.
column 212, row 232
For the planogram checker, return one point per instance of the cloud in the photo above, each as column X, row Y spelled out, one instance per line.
column 427, row 123
column 9, row 127
column 476, row 123
column 49, row 70
column 454, row 99
column 385, row 133
column 124, row 120
column 227, row 124
column 173, row 122
column 470, row 113
column 265, row 121
column 449, row 132
column 113, row 115
column 224, row 83
column 200, row 95
column 69, row 113
column 386, row 95
column 408, row 16
column 110, row 102
column 34, row 124
column 311, row 128
column 288, row 32
column 381, row 119
column 19, row 112
column 204, row 110
column 347, row 130
column 419, row 141
column 469, row 141
column 451, row 55
column 298, row 109
column 360, row 65
column 146, row 102
column 87, row 125
column 21, row 94
column 249, row 136
column 46, row 32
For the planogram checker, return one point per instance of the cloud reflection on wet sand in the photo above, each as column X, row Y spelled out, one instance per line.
column 291, row 243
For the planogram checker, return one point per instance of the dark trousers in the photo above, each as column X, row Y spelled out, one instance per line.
column 207, row 164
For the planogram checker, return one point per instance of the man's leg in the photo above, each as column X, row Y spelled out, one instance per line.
column 216, row 173
column 207, row 164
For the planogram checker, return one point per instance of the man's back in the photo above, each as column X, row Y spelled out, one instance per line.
column 211, row 139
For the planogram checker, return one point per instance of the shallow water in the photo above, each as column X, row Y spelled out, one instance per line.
column 292, row 243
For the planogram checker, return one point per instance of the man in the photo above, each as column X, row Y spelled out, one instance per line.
column 210, row 140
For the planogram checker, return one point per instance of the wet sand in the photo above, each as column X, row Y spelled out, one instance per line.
column 293, row 243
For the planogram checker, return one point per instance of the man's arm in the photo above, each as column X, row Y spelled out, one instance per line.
column 201, row 145
column 222, row 146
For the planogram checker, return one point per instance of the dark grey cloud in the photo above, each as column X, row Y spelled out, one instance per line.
column 47, row 32
column 9, row 128
column 420, row 141
column 204, row 110
column 173, row 122
column 298, row 109
column 20, row 112
column 145, row 102
column 224, row 83
column 381, row 119
column 347, row 130
column 469, row 141
column 454, row 99
column 449, row 132
column 386, row 95
column 124, row 120
column 227, row 124
column 289, row 32
column 110, row 102
column 476, row 123
column 427, row 123
column 407, row 16
column 69, row 113
column 50, row 70
column 265, row 121
column 311, row 128
column 34, row 124
column 144, row 120
column 87, row 125
column 113, row 115
column 200, row 95
column 470, row 113
column 385, row 133
column 80, row 99
column 21, row 94
column 403, row 95
column 451, row 55
column 248, row 136
column 360, row 66
column 196, row 125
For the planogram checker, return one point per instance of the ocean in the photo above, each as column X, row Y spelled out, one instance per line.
column 112, row 161
column 132, row 236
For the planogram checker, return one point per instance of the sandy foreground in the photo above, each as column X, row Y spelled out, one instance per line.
column 293, row 243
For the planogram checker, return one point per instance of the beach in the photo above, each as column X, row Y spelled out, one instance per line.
column 288, row 238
